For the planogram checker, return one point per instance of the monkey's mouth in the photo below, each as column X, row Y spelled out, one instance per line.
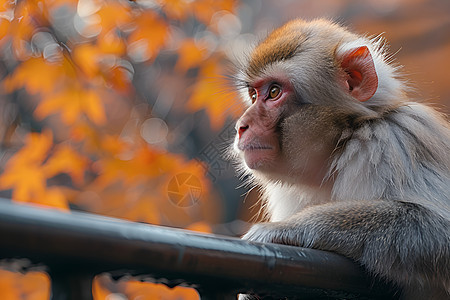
column 251, row 147
column 257, row 155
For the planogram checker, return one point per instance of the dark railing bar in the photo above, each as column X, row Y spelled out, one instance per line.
column 81, row 243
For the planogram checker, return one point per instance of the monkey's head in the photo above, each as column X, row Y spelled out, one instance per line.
column 304, row 84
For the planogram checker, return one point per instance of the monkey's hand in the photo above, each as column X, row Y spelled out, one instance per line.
column 270, row 233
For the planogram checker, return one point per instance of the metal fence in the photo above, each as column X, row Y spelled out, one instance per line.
column 76, row 246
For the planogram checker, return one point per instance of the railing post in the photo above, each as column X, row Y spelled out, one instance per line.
column 67, row 285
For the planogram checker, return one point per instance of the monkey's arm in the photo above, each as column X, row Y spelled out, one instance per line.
column 400, row 241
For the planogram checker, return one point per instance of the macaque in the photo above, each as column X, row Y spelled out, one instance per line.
column 345, row 160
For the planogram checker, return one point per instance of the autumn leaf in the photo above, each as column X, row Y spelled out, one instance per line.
column 110, row 43
column 5, row 5
column 53, row 4
column 200, row 227
column 21, row 30
column 99, row 59
column 29, row 75
column 35, row 150
column 205, row 9
column 73, row 103
column 25, row 172
column 66, row 160
column 103, row 286
column 118, row 77
column 87, row 57
column 212, row 93
column 31, row 285
column 144, row 164
column 27, row 181
column 9, row 288
column 191, row 54
column 176, row 9
column 99, row 291
column 113, row 16
column 142, row 209
column 52, row 197
column 113, row 145
column 151, row 33
column 150, row 291
column 4, row 26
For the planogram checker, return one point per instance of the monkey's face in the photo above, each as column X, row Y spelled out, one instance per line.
column 281, row 137
column 258, row 130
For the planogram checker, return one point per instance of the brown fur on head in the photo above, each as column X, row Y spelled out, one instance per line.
column 316, row 49
column 280, row 45
column 288, row 40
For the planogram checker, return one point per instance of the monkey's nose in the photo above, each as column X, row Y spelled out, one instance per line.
column 242, row 129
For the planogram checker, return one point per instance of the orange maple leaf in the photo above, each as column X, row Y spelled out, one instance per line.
column 151, row 33
column 87, row 57
column 4, row 27
column 73, row 103
column 110, row 43
column 200, row 227
column 176, row 9
column 114, row 14
column 29, row 75
column 55, row 3
column 66, row 160
column 143, row 209
column 52, row 197
column 118, row 77
column 144, row 164
column 205, row 9
column 31, row 285
column 91, row 57
column 99, row 290
column 5, row 5
column 25, row 173
column 21, row 29
column 134, row 289
column 27, row 181
column 213, row 93
column 191, row 54
column 150, row 291
column 35, row 150
column 113, row 145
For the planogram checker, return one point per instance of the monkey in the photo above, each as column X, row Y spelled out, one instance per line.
column 345, row 159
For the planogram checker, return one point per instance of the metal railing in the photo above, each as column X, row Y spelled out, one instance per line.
column 76, row 246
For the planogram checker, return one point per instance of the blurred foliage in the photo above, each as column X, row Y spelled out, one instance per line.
column 31, row 285
column 79, row 130
column 127, row 288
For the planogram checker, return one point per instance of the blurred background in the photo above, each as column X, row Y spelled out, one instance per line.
column 123, row 108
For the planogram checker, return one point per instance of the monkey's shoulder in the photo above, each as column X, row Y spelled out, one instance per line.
column 402, row 155
column 414, row 130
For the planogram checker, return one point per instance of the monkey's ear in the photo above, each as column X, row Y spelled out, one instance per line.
column 361, row 78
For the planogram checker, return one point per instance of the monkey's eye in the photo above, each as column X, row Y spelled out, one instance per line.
column 252, row 94
column 274, row 91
